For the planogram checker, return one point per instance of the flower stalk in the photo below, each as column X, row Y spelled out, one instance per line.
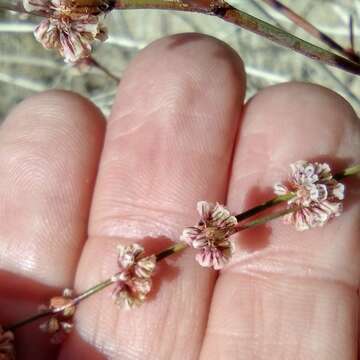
column 314, row 31
column 218, row 8
column 182, row 245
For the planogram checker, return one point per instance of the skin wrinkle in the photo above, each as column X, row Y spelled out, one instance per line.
column 282, row 261
column 155, row 225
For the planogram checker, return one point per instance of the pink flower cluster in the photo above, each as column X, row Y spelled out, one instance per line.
column 316, row 193
column 70, row 33
column 133, row 281
column 211, row 235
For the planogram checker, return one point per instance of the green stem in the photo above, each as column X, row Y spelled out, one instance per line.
column 265, row 219
column 180, row 246
column 350, row 171
column 222, row 10
column 48, row 312
column 240, row 18
column 312, row 30
column 88, row 293
column 28, row 320
column 171, row 250
column 267, row 204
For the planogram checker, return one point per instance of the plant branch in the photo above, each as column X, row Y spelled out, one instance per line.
column 222, row 10
column 240, row 18
column 312, row 30
column 180, row 246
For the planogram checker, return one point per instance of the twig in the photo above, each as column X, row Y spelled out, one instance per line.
column 102, row 68
column 230, row 14
column 312, row 30
column 227, row 13
column 180, row 246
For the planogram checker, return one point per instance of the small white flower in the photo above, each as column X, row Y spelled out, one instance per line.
column 317, row 194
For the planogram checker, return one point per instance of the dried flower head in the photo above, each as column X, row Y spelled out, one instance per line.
column 212, row 235
column 68, row 31
column 60, row 323
column 133, row 281
column 7, row 349
column 317, row 194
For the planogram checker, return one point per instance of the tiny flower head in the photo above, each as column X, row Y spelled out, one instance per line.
column 69, row 32
column 60, row 323
column 133, row 281
column 317, row 195
column 211, row 235
column 7, row 349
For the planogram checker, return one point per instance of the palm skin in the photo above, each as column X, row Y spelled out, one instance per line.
column 72, row 186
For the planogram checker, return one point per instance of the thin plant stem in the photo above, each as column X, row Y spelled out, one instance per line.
column 222, row 10
column 267, row 204
column 350, row 171
column 28, row 320
column 230, row 14
column 265, row 219
column 51, row 311
column 312, row 30
column 352, row 35
column 180, row 246
column 102, row 68
column 171, row 250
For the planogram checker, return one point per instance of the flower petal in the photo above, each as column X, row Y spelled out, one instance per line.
column 221, row 217
column 280, row 189
column 189, row 234
column 37, row 6
column 128, row 254
column 204, row 209
column 145, row 267
column 339, row 191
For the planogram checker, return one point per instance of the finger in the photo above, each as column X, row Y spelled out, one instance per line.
column 289, row 294
column 49, row 150
column 169, row 143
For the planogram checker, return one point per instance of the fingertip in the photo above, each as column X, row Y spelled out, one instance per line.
column 50, row 146
column 205, row 67
column 301, row 104
column 57, row 106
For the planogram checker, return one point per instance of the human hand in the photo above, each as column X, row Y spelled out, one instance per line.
column 178, row 133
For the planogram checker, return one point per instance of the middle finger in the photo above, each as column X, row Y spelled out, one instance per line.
column 169, row 144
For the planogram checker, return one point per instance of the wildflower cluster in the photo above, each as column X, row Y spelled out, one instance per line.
column 69, row 32
column 313, row 195
column 133, row 281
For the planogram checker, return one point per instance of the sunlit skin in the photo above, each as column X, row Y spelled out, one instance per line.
column 73, row 187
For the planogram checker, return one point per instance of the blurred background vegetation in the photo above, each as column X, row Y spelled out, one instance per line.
column 26, row 68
